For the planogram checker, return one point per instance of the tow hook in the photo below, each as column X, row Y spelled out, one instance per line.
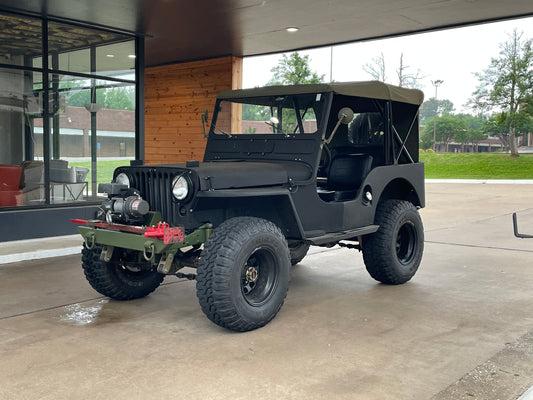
column 107, row 253
column 165, row 264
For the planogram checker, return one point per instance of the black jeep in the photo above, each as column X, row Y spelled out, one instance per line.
column 285, row 168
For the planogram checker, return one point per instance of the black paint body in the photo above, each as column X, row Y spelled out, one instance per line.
column 280, row 178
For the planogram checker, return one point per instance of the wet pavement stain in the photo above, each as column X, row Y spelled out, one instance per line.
column 78, row 314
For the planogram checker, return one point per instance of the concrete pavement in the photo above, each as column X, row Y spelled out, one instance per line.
column 461, row 329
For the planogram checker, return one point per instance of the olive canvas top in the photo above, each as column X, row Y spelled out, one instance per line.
column 369, row 89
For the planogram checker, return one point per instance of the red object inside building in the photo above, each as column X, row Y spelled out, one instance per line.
column 10, row 192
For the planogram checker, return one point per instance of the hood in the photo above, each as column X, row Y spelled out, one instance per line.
column 245, row 174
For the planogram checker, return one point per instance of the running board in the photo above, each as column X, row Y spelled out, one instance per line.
column 335, row 237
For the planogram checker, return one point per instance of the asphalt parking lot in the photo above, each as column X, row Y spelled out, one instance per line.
column 461, row 329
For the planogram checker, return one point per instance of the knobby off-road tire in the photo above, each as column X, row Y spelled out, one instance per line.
column 115, row 280
column 243, row 273
column 393, row 253
column 298, row 251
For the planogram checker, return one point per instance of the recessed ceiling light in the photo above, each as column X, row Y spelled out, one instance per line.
column 131, row 56
column 110, row 55
column 292, row 29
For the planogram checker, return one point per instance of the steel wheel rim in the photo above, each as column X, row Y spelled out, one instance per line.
column 259, row 277
column 406, row 243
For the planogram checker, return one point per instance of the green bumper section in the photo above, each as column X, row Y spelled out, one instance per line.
column 135, row 241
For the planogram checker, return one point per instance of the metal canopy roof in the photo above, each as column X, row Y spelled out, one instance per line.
column 179, row 31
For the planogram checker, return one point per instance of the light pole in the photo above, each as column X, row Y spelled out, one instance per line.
column 331, row 65
column 435, row 83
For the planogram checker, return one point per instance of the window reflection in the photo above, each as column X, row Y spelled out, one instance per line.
column 114, row 113
column 20, row 105
column 90, row 118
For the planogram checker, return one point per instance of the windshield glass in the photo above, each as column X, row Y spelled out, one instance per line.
column 274, row 115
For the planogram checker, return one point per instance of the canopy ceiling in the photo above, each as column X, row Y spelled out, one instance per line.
column 180, row 30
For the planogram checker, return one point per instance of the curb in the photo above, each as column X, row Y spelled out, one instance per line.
column 528, row 394
column 37, row 255
column 484, row 181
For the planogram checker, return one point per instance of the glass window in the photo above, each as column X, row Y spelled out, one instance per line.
column 73, row 117
column 72, row 61
column 70, row 50
column 366, row 128
column 294, row 114
column 116, row 60
column 90, row 126
column 21, row 168
column 20, row 41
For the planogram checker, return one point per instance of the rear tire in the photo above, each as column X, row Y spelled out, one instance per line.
column 243, row 274
column 115, row 280
column 392, row 255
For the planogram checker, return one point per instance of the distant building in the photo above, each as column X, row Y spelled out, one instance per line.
column 115, row 133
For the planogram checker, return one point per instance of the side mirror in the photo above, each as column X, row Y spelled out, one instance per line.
column 345, row 116
column 204, row 117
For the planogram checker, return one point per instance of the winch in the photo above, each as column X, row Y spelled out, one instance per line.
column 123, row 205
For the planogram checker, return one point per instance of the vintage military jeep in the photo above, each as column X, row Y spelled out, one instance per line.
column 284, row 168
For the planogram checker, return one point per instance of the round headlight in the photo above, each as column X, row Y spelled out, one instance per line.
column 122, row 179
column 180, row 187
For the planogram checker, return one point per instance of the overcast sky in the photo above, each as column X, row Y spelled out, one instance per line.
column 452, row 55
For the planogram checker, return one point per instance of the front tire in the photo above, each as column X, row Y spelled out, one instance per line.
column 393, row 253
column 243, row 274
column 116, row 280
column 298, row 250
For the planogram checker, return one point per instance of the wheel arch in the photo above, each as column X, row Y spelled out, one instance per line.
column 277, row 208
column 403, row 189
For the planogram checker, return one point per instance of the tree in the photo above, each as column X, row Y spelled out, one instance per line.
column 496, row 125
column 473, row 133
column 116, row 98
column 78, row 98
column 499, row 125
column 426, row 140
column 407, row 79
column 120, row 98
column 469, row 137
column 252, row 112
column 294, row 70
column 507, row 85
column 447, row 126
column 291, row 70
column 377, row 70
column 473, row 122
column 433, row 107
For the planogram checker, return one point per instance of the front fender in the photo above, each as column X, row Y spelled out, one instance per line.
column 273, row 204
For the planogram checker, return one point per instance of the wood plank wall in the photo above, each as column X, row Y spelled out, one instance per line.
column 175, row 97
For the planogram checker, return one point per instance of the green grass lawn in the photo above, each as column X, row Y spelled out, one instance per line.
column 477, row 166
column 438, row 166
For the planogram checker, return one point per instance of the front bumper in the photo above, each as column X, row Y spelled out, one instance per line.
column 133, row 238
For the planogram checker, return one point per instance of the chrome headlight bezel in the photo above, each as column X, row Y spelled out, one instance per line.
column 180, row 187
column 123, row 179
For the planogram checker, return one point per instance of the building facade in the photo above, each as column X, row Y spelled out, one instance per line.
column 76, row 101
column 69, row 103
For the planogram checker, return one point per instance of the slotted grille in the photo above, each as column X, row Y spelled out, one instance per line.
column 155, row 188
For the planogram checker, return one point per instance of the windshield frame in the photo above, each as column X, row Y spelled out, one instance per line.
column 320, row 110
